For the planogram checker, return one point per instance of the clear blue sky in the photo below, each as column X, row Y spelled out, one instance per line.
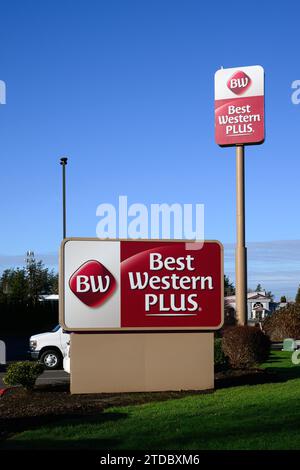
column 125, row 89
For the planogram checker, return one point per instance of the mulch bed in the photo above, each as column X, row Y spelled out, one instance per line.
column 21, row 410
column 237, row 377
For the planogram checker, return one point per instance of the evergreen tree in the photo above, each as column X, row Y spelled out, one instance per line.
column 297, row 299
column 259, row 288
column 14, row 286
column 270, row 295
column 229, row 288
column 26, row 285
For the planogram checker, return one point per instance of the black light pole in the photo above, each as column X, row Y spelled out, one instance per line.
column 63, row 162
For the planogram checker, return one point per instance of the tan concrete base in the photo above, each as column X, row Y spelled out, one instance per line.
column 139, row 362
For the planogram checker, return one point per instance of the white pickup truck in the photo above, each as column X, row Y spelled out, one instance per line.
column 50, row 348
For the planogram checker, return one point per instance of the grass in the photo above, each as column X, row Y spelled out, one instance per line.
column 249, row 417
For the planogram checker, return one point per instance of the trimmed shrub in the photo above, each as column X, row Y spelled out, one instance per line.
column 285, row 323
column 245, row 346
column 23, row 373
column 221, row 361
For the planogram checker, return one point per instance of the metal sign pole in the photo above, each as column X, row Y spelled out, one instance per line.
column 241, row 250
column 63, row 162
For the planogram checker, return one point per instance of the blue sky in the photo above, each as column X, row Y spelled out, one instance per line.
column 125, row 89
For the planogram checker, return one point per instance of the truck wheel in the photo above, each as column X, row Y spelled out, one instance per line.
column 51, row 359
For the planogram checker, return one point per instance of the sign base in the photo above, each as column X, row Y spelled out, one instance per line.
column 141, row 362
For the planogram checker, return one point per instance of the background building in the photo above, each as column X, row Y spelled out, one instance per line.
column 259, row 306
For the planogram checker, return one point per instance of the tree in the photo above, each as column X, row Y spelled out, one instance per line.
column 259, row 288
column 39, row 280
column 26, row 285
column 297, row 299
column 283, row 299
column 53, row 281
column 270, row 295
column 229, row 288
column 14, row 286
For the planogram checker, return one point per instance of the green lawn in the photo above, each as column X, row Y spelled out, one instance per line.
column 248, row 417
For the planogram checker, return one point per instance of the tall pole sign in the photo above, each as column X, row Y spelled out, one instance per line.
column 239, row 120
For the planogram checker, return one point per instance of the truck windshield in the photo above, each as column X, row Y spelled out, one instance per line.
column 56, row 328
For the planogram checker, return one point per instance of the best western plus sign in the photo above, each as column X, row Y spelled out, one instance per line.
column 107, row 284
column 239, row 105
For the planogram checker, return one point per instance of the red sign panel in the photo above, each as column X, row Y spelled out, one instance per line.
column 141, row 285
column 239, row 105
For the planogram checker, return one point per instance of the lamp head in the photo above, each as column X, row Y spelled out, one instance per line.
column 63, row 161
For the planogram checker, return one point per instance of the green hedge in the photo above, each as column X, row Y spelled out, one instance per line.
column 23, row 373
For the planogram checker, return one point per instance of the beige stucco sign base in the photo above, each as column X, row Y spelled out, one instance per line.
column 141, row 362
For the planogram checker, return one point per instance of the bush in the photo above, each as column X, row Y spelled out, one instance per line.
column 245, row 346
column 221, row 361
column 285, row 323
column 23, row 373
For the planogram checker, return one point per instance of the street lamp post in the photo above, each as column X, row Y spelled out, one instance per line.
column 63, row 162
